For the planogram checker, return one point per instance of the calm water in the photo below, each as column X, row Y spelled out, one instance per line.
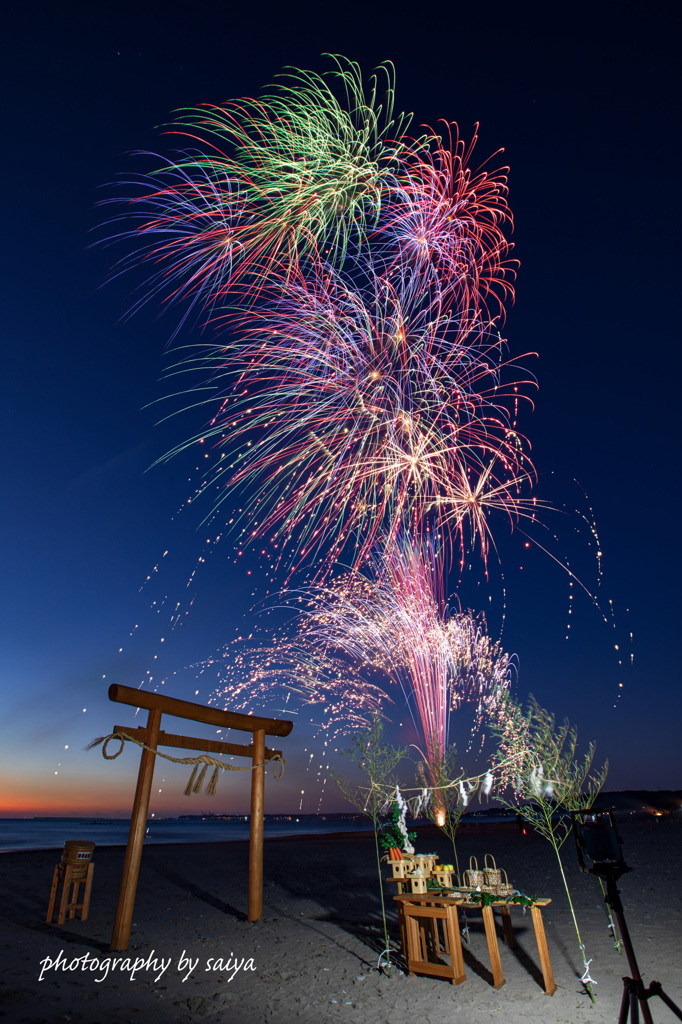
column 51, row 833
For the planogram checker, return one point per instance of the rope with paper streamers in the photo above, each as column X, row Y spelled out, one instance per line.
column 196, row 782
column 467, row 787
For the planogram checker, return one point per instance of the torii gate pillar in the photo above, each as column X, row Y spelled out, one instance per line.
column 157, row 704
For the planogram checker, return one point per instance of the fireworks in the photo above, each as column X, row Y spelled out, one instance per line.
column 362, row 638
column 294, row 172
column 316, row 169
column 190, row 221
column 447, row 222
column 359, row 385
column 359, row 399
column 397, row 623
column 286, row 676
column 349, row 410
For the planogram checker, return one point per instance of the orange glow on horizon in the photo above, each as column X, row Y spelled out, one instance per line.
column 71, row 795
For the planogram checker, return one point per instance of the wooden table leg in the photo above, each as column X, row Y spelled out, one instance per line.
column 431, row 940
column 548, row 977
column 73, row 902
column 493, row 948
column 420, row 954
column 413, row 949
column 451, row 927
column 507, row 930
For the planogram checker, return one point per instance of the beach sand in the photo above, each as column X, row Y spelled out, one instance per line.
column 313, row 956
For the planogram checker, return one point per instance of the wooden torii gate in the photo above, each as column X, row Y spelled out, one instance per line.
column 157, row 704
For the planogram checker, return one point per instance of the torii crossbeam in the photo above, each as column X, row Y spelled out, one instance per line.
column 158, row 704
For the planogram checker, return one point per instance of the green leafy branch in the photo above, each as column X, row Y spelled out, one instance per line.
column 537, row 759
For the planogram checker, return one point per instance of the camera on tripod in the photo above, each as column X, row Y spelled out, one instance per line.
column 597, row 840
column 600, row 853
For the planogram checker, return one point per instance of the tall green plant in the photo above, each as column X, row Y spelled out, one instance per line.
column 378, row 760
column 538, row 759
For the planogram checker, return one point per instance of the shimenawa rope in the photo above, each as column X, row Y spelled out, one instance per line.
column 195, row 783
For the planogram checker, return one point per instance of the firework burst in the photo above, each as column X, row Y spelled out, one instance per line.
column 350, row 409
column 263, row 182
column 360, row 385
column 284, row 676
column 191, row 222
column 315, row 168
column 448, row 222
column 359, row 396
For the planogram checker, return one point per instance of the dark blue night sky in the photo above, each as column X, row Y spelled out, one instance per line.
column 586, row 108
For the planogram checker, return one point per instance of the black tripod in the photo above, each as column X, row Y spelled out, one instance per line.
column 597, row 838
column 634, row 993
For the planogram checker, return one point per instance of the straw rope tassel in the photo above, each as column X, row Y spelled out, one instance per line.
column 200, row 781
column 190, row 784
column 210, row 789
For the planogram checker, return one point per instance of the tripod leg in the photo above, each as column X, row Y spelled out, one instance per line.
column 624, row 1004
column 634, row 985
column 655, row 989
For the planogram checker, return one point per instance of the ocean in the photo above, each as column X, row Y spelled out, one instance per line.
column 51, row 833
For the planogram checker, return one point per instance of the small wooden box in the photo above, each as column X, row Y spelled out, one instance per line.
column 400, row 868
column 443, row 878
column 417, row 883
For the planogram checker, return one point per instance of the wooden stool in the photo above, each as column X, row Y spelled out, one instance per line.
column 74, row 868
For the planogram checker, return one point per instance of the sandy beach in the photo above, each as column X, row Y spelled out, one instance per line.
column 313, row 958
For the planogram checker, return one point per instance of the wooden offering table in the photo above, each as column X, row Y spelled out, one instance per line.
column 425, row 945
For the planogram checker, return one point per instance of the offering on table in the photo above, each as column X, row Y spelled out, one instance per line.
column 443, row 873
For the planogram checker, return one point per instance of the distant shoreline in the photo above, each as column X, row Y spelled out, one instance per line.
column 644, row 801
